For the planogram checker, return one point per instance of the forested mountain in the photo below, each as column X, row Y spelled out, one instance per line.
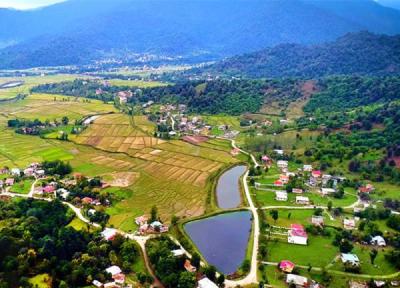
column 80, row 31
column 361, row 53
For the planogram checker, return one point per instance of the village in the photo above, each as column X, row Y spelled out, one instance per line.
column 307, row 208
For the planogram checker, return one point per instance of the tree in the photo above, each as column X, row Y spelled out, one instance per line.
column 329, row 205
column 196, row 260
column 372, row 255
column 345, row 246
column 65, row 120
column 186, row 280
column 221, row 280
column 153, row 214
column 246, row 265
column 210, row 272
column 274, row 214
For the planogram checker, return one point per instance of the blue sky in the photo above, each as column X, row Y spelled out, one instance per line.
column 27, row 4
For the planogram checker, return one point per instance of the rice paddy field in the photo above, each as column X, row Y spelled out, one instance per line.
column 142, row 170
column 30, row 82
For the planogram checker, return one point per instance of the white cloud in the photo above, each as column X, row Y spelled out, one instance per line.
column 27, row 4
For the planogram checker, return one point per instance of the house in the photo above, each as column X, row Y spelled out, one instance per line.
column 350, row 258
column 349, row 224
column 112, row 285
column 298, row 281
column 302, row 200
column 63, row 193
column 235, row 152
column 281, row 196
column 178, row 252
column 307, row 168
column 266, row 160
column 278, row 183
column 297, row 191
column 286, row 266
column 189, row 267
column 356, row 284
column 97, row 283
column 282, row 164
column 326, row 178
column 15, row 172
column 327, row 191
column 29, row 172
column 366, row 189
column 316, row 174
column 157, row 226
column 119, row 278
column 87, row 200
column 9, row 182
column 49, row 189
column 279, row 151
column 284, row 178
column 109, row 234
column 91, row 212
column 141, row 220
column 114, row 270
column 206, row 283
column 378, row 241
column 1, row 183
column 317, row 220
column 40, row 173
column 297, row 235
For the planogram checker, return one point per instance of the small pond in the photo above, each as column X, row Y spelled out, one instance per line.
column 222, row 239
column 228, row 187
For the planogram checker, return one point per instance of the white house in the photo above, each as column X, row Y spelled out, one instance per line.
column 349, row 224
column 282, row 164
column 63, row 193
column 302, row 200
column 317, row 220
column 297, row 280
column 15, row 172
column 279, row 151
column 307, row 168
column 378, row 241
column 206, row 283
column 281, row 196
column 350, row 258
column 327, row 191
column 297, row 235
column 114, row 270
column 109, row 233
column 178, row 252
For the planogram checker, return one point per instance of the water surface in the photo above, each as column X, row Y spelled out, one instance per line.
column 222, row 239
column 228, row 189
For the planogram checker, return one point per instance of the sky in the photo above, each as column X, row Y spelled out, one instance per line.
column 26, row 4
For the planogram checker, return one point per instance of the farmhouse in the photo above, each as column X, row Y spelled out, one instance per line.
column 235, row 152
column 282, row 164
column 307, row 168
column 9, row 182
column 349, row 224
column 178, row 252
column 266, row 160
column 297, row 235
column 114, row 270
column 281, row 196
column 206, row 283
column 327, row 191
column 284, row 178
column 366, row 189
column 378, row 241
column 317, row 220
column 87, row 200
column 350, row 258
column 297, row 191
column 63, row 193
column 297, row 280
column 1, row 183
column 29, row 172
column 278, row 183
column 316, row 174
column 302, row 200
column 109, row 234
column 141, row 220
column 286, row 266
column 279, row 151
column 189, row 267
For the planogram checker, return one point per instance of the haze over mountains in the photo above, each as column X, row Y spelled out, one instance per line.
column 81, row 31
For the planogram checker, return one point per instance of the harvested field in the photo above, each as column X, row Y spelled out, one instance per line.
column 195, row 139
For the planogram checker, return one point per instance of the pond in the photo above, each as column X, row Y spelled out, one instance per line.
column 228, row 187
column 222, row 239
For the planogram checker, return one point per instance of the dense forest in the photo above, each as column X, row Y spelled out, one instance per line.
column 35, row 239
column 361, row 53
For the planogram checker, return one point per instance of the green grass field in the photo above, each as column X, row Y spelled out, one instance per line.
column 137, row 83
column 22, row 187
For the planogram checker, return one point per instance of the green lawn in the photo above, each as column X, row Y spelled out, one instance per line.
column 304, row 255
column 22, row 187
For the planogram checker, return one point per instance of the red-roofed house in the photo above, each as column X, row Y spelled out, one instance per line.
column 286, row 266
column 278, row 183
column 49, row 189
column 87, row 200
column 366, row 189
column 316, row 174
column 189, row 267
column 297, row 235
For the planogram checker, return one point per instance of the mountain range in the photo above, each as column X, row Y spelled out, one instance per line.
column 82, row 31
